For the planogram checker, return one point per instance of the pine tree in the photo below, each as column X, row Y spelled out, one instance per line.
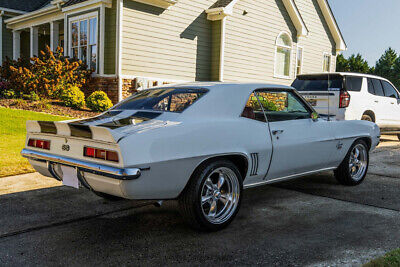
column 385, row 66
column 356, row 63
column 342, row 65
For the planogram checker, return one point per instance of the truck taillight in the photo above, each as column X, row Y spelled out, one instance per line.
column 344, row 99
column 43, row 144
column 98, row 153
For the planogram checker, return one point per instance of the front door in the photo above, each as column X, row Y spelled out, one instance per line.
column 300, row 144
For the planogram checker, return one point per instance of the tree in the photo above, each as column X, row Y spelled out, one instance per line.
column 355, row 63
column 385, row 66
column 342, row 65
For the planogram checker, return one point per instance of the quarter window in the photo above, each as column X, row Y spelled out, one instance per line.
column 253, row 110
column 283, row 55
column 389, row 90
column 327, row 63
column 83, row 40
column 354, row 84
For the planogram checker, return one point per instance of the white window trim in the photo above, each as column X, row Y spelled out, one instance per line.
column 330, row 61
column 302, row 60
column 87, row 17
column 290, row 57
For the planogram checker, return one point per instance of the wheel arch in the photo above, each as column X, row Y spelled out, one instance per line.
column 239, row 159
column 371, row 114
column 366, row 139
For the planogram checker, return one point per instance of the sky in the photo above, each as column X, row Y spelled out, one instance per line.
column 369, row 27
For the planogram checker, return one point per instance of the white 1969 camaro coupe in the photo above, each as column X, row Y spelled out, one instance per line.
column 200, row 143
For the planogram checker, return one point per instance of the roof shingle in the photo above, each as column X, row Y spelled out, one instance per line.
column 73, row 2
column 221, row 3
column 24, row 5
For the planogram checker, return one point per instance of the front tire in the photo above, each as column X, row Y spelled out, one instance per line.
column 212, row 198
column 398, row 136
column 354, row 168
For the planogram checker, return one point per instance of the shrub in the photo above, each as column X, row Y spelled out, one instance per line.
column 98, row 101
column 44, row 74
column 72, row 96
column 42, row 105
column 5, row 90
column 32, row 96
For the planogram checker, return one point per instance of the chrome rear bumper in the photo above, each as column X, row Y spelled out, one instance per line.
column 82, row 166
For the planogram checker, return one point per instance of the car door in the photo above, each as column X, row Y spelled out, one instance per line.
column 394, row 101
column 300, row 144
column 383, row 106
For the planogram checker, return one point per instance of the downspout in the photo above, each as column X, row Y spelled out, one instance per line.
column 222, row 51
column 118, row 68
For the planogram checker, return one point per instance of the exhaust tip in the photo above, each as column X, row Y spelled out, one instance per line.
column 158, row 203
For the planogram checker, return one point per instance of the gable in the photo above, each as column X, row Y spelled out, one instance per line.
column 223, row 8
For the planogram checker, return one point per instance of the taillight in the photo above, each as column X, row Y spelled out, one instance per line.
column 344, row 99
column 98, row 153
column 43, row 144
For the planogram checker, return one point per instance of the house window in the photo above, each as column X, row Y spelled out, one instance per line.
column 83, row 40
column 327, row 63
column 283, row 55
column 299, row 61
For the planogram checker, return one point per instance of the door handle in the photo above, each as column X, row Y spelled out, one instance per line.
column 376, row 101
column 275, row 132
column 392, row 103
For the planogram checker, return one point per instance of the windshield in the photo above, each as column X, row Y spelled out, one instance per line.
column 318, row 82
column 166, row 99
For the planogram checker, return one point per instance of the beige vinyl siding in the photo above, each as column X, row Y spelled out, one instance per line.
column 7, row 41
column 250, row 41
column 170, row 44
column 110, row 39
column 215, row 49
column 319, row 39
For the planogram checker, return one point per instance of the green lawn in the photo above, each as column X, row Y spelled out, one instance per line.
column 12, row 139
column 390, row 259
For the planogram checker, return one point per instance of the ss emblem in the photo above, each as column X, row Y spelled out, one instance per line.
column 65, row 147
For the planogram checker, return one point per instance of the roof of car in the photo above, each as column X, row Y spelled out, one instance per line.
column 345, row 74
column 226, row 85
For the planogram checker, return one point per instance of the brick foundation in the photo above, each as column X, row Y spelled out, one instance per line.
column 107, row 84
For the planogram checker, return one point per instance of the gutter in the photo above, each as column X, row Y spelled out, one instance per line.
column 30, row 15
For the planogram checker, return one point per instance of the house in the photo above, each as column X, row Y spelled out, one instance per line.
column 142, row 43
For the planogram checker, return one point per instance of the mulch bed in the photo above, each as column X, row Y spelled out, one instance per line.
column 53, row 107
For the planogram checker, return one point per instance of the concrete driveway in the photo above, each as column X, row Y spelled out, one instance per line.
column 310, row 221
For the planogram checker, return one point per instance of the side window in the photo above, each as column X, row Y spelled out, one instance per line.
column 389, row 90
column 253, row 110
column 282, row 106
column 378, row 87
column 354, row 83
column 371, row 89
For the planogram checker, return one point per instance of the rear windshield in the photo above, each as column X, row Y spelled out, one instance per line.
column 318, row 82
column 166, row 99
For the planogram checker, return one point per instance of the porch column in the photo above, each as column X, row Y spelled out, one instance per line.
column 34, row 41
column 54, row 35
column 16, row 44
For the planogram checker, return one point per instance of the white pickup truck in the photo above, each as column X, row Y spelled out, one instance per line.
column 353, row 96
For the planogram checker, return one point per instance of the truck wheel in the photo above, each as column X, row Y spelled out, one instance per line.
column 212, row 198
column 398, row 136
column 353, row 169
column 366, row 118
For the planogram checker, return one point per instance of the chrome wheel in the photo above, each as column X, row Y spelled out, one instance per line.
column 220, row 195
column 358, row 162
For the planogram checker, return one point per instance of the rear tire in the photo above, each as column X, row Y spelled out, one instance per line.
column 398, row 136
column 366, row 118
column 354, row 168
column 212, row 197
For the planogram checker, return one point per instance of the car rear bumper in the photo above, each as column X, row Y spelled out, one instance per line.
column 81, row 166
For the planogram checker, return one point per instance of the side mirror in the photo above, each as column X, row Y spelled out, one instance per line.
column 314, row 116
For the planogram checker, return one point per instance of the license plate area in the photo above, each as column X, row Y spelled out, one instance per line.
column 70, row 177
